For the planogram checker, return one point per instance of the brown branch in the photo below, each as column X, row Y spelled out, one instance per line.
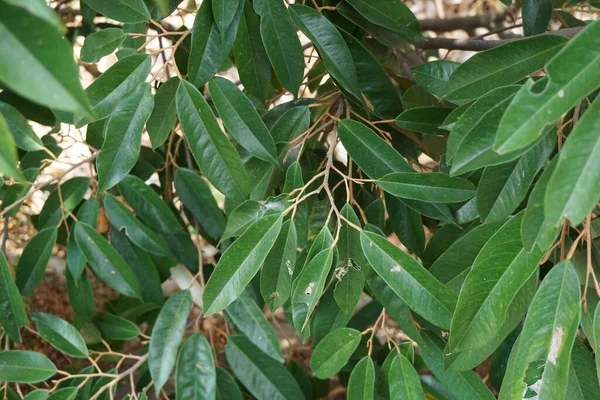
column 486, row 20
column 480, row 45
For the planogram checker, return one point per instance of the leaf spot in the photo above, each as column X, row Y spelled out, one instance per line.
column 555, row 344
column 309, row 289
column 397, row 268
column 288, row 264
column 274, row 294
column 561, row 93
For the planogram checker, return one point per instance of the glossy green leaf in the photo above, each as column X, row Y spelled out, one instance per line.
column 65, row 198
column 81, row 296
column 122, row 219
column 25, row 137
column 164, row 114
column 361, row 385
column 429, row 187
column 68, row 393
column 545, row 101
column 281, row 43
column 501, row 268
column 248, row 319
column 101, row 43
column 227, row 387
column 424, row 119
column 40, row 9
column 264, row 377
column 404, row 380
column 60, row 334
column 216, row 156
column 40, row 394
column 239, row 263
column 25, row 366
column 224, row 12
column 129, row 11
column 434, row 75
column 33, row 261
column 197, row 197
column 195, row 375
column 106, row 263
column 583, row 382
column 500, row 66
column 250, row 54
column 536, row 16
column 242, row 120
column 539, row 361
column 407, row 224
column 113, row 327
column 574, row 187
column 123, row 137
column 12, row 309
column 148, row 206
column 278, row 268
column 47, row 78
column 389, row 14
column 210, row 48
column 422, row 292
column 333, row 352
column 333, row 51
column 166, row 337
column 8, row 153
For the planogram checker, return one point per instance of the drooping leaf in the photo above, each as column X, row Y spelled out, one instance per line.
column 281, row 43
column 422, row 292
column 195, row 376
column 129, row 11
column 64, row 198
column 389, row 14
column 361, row 385
column 106, row 263
column 278, row 268
column 60, row 334
column 12, row 309
column 33, row 261
column 113, row 327
column 239, row 263
column 545, row 101
column 224, row 12
column 164, row 114
column 428, row 187
column 123, row 137
column 539, row 361
column 404, row 380
column 242, row 120
column 8, row 153
column 536, row 16
column 25, row 137
column 25, row 366
column 166, row 337
column 500, row 66
column 216, row 156
column 334, row 351
column 263, row 376
column 101, row 43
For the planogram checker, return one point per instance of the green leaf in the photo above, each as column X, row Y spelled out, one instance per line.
column 25, row 137
column 12, row 309
column 574, row 187
column 123, row 77
column 123, row 137
column 224, row 12
column 538, row 104
column 49, row 78
column 333, row 352
column 60, row 334
column 101, row 43
column 389, row 14
column 424, row 119
column 242, row 120
column 278, row 268
column 239, row 263
column 113, row 327
column 250, row 55
column 227, row 387
column 434, row 75
column 248, row 319
column 333, row 51
column 281, row 43
column 197, row 197
column 500, row 270
column 81, row 296
column 148, row 206
column 166, row 337
column 596, row 332
column 8, row 153
column 128, row 11
column 429, row 187
column 407, row 224
column 583, row 383
column 404, row 380
column 264, row 377
column 33, row 261
column 423, row 293
column 68, row 393
column 361, row 385
column 65, row 198
column 209, row 47
column 40, row 9
column 106, row 263
column 536, row 16
column 503, row 187
column 40, row 394
column 122, row 219
column 539, row 361
column 215, row 155
column 164, row 114
column 195, row 375
column 25, row 366
column 500, row 66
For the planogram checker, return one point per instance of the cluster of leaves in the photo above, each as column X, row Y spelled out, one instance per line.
column 248, row 200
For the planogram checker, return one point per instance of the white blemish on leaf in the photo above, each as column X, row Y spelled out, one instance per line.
column 561, row 93
column 555, row 344
column 288, row 264
column 309, row 289
column 397, row 268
